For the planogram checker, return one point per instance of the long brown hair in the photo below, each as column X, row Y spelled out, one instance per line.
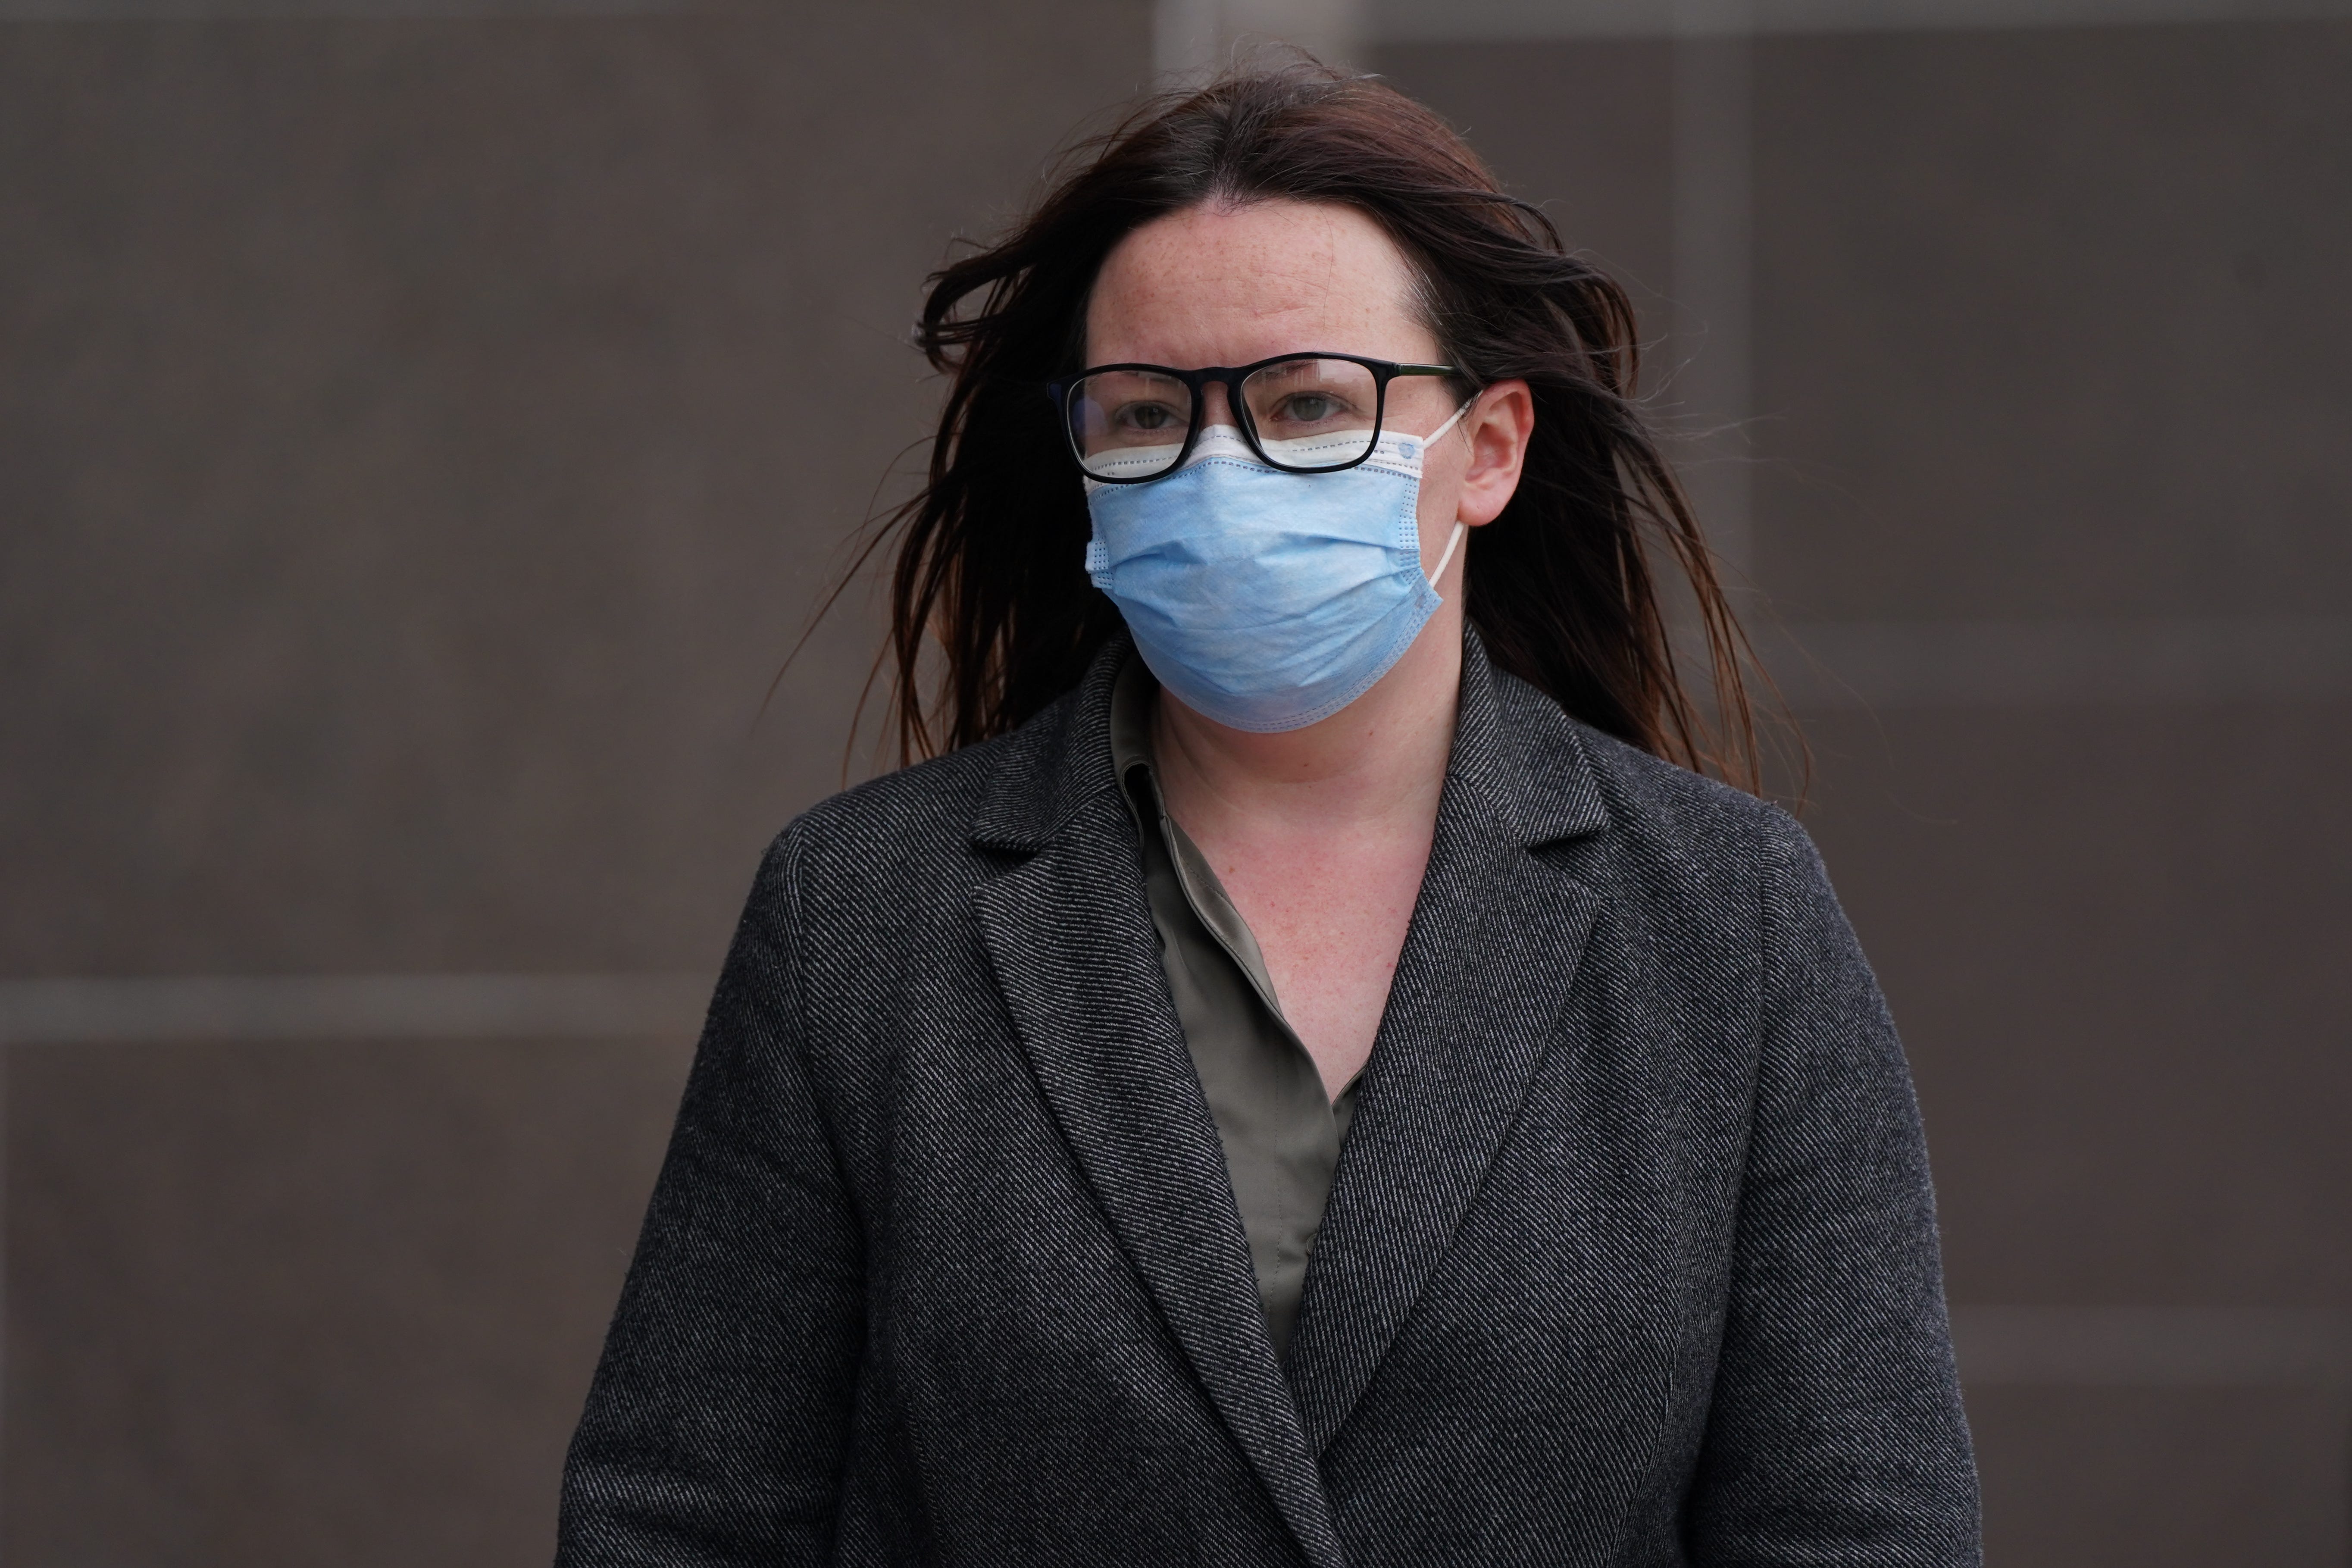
column 1560, row 587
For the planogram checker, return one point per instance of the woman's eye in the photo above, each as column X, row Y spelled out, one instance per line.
column 1308, row 407
column 1146, row 417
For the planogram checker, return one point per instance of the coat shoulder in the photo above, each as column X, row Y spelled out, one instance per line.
column 1650, row 802
column 909, row 826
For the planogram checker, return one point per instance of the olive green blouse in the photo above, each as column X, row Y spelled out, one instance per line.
column 1281, row 1135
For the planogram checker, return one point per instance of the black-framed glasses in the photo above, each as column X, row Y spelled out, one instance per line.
column 1304, row 413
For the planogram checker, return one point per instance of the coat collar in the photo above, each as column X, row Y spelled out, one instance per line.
column 1514, row 744
column 1071, row 944
column 1070, row 941
column 1474, row 1010
column 1044, row 772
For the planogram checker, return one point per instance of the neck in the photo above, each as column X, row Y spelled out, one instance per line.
column 1379, row 759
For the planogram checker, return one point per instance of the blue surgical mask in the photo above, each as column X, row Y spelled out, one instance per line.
column 1270, row 600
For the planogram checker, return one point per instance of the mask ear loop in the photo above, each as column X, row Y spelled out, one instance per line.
column 1460, row 527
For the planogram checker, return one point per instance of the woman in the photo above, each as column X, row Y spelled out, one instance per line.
column 1307, row 1077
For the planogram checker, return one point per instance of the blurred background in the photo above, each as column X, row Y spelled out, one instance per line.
column 425, row 429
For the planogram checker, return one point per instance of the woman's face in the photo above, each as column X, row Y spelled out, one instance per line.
column 1234, row 284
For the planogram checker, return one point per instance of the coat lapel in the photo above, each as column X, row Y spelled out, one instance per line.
column 1481, row 986
column 1070, row 941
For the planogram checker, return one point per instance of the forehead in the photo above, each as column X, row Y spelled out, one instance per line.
column 1230, row 285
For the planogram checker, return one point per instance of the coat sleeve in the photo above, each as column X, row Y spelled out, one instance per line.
column 1835, row 1436
column 716, row 1424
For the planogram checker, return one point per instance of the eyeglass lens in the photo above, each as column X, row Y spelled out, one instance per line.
column 1308, row 413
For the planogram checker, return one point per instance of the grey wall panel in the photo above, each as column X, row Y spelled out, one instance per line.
column 304, row 1303
column 2115, row 941
column 2049, row 486
column 1583, row 128
column 2050, row 324
column 2093, row 1478
column 2045, row 350
column 422, row 441
column 1514, row 20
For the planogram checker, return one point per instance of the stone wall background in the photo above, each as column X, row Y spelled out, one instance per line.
column 422, row 439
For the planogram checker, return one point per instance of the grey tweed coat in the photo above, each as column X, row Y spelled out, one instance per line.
column 1630, row 1259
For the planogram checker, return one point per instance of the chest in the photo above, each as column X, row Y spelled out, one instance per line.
column 1330, row 921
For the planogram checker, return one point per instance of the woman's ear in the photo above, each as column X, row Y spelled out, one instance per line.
column 1497, row 427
